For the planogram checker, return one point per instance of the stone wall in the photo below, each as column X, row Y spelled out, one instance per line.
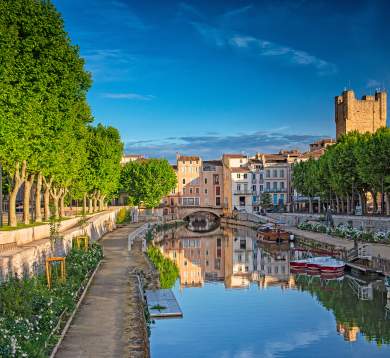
column 29, row 258
column 366, row 222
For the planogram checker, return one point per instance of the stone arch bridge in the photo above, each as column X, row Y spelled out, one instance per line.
column 184, row 211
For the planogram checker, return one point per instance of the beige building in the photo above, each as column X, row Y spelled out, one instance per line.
column 199, row 184
column 365, row 115
column 131, row 158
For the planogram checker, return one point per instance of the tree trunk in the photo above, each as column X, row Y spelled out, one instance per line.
column 26, row 198
column 342, row 205
column 46, row 198
column 310, row 206
column 18, row 179
column 348, row 205
column 84, row 204
column 319, row 206
column 90, row 206
column 94, row 200
column 38, row 189
column 375, row 201
column 387, row 201
column 337, row 205
column 56, row 194
column 62, row 205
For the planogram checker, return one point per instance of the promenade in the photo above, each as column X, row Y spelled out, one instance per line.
column 109, row 322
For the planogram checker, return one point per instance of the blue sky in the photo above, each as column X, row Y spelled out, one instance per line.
column 206, row 77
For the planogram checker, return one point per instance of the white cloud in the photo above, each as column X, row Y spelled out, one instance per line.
column 371, row 83
column 130, row 96
column 217, row 32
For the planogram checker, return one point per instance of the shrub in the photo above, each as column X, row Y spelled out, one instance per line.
column 123, row 216
column 29, row 311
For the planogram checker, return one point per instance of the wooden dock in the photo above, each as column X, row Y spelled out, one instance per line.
column 162, row 304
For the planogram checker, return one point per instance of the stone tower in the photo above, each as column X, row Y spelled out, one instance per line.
column 365, row 115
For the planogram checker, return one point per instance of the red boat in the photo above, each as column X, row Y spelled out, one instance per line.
column 318, row 265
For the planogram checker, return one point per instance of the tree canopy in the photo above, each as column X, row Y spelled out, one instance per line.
column 147, row 181
column 357, row 165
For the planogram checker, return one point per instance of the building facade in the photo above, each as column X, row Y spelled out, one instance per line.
column 365, row 115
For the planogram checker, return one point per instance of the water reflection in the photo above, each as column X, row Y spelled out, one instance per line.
column 236, row 258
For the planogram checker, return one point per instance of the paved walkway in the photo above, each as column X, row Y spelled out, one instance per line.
column 110, row 321
column 324, row 238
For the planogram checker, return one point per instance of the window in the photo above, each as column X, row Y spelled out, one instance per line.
column 197, row 190
column 217, row 190
column 190, row 162
column 275, row 199
column 253, row 187
column 281, row 199
column 281, row 173
column 184, row 190
column 216, row 178
column 238, row 175
column 275, row 173
column 238, row 187
column 205, row 180
column 184, row 181
column 245, row 187
column 191, row 190
column 242, row 200
column 281, row 185
column 205, row 191
column 275, row 185
column 245, row 175
column 261, row 176
column 217, row 201
column 268, row 174
column 197, row 201
column 254, row 198
column 253, row 178
column 261, row 187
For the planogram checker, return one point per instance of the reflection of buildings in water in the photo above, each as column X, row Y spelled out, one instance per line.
column 273, row 267
column 239, row 268
column 349, row 333
column 198, row 259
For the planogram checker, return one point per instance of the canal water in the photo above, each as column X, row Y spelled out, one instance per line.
column 239, row 299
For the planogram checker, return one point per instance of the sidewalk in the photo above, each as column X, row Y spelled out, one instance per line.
column 109, row 322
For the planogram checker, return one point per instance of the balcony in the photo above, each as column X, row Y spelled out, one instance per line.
column 278, row 190
column 244, row 192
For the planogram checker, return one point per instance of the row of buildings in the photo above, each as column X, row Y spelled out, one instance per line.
column 242, row 182
column 237, row 181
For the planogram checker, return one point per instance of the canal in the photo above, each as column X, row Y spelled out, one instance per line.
column 239, row 299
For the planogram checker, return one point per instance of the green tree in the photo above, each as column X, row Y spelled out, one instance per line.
column 148, row 181
column 43, row 88
column 265, row 201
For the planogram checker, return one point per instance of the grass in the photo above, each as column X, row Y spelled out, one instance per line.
column 25, row 226
column 158, row 307
column 20, row 226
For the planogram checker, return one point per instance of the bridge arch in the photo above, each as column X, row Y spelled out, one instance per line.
column 184, row 212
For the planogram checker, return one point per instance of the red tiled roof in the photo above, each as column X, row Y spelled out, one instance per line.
column 239, row 170
column 188, row 157
column 235, row 155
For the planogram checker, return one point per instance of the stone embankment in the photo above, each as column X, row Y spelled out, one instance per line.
column 32, row 245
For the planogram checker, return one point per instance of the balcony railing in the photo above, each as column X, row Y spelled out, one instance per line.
column 244, row 192
column 278, row 190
